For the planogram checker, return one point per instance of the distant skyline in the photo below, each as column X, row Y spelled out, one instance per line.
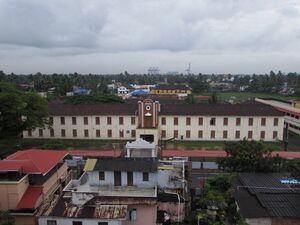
column 113, row 36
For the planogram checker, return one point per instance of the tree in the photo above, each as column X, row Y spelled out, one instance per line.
column 190, row 99
column 6, row 219
column 20, row 110
column 214, row 98
column 249, row 156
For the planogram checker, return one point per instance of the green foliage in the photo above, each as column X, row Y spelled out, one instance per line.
column 214, row 98
column 6, row 219
column 190, row 99
column 93, row 98
column 249, row 156
column 20, row 110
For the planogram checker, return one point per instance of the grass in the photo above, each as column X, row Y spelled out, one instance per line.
column 213, row 145
column 244, row 96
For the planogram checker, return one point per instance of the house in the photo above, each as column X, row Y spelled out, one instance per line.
column 154, row 121
column 291, row 112
column 171, row 89
column 110, row 191
column 122, row 90
column 28, row 180
column 268, row 198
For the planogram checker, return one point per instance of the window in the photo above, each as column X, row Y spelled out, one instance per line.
column 262, row 135
column 62, row 120
column 237, row 134
column 132, row 120
column 275, row 121
column 275, row 134
column 212, row 134
column 238, row 121
column 121, row 120
column 77, row 223
column 250, row 121
column 109, row 133
column 97, row 120
column 145, row 176
column 86, row 133
column 101, row 175
column 133, row 134
column 212, row 121
column 188, row 134
column 188, row 121
column 250, row 134
column 98, row 134
column 263, row 121
column 51, row 120
column 163, row 134
column 63, row 132
column 175, row 133
column 225, row 121
column 40, row 132
column 102, row 223
column 163, row 121
column 225, row 134
column 74, row 120
column 109, row 120
column 175, row 120
column 131, row 214
column 29, row 133
column 51, row 222
column 51, row 132
column 121, row 133
column 200, row 134
column 85, row 120
column 200, row 121
column 74, row 133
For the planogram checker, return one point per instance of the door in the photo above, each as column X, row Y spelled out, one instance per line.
column 129, row 178
column 117, row 178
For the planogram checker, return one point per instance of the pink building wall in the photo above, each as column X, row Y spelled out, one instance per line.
column 145, row 215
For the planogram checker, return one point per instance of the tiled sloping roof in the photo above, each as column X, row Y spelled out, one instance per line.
column 32, row 161
column 172, row 87
column 126, row 164
column 30, row 197
column 58, row 108
column 249, row 109
column 263, row 195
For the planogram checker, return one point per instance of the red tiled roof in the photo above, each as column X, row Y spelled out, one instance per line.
column 32, row 161
column 217, row 153
column 30, row 197
column 94, row 153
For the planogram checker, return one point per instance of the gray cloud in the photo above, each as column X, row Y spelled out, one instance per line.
column 73, row 35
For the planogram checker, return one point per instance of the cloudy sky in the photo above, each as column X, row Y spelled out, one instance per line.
column 97, row 36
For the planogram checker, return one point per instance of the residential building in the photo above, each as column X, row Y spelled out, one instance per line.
column 291, row 112
column 268, row 198
column 122, row 90
column 28, row 180
column 171, row 89
column 153, row 121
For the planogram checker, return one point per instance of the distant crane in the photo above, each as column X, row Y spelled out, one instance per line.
column 153, row 70
column 188, row 70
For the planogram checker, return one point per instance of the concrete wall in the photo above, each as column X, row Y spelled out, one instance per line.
column 11, row 193
column 68, row 221
column 25, row 220
column 109, row 179
column 259, row 221
column 219, row 127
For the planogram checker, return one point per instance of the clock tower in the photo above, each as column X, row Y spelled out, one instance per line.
column 148, row 113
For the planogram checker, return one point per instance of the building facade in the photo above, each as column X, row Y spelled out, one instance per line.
column 153, row 121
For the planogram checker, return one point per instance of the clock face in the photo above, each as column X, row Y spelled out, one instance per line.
column 148, row 107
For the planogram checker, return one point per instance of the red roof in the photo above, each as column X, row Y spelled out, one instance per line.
column 94, row 153
column 217, row 154
column 30, row 197
column 32, row 161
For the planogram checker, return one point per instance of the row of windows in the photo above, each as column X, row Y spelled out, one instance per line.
column 213, row 134
column 212, row 121
column 292, row 115
column 129, row 174
column 53, row 222
column 86, row 133
column 97, row 120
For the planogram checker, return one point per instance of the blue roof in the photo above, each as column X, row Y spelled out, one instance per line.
column 139, row 92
